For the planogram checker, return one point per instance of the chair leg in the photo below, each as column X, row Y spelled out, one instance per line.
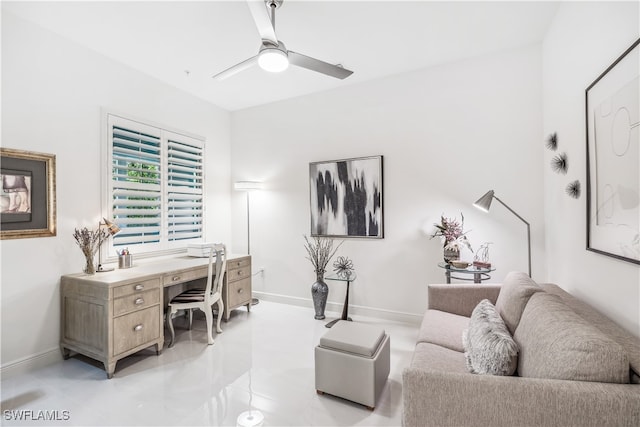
column 220, row 311
column 190, row 318
column 209, row 318
column 170, row 324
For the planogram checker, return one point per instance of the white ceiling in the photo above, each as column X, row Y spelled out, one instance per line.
column 372, row 38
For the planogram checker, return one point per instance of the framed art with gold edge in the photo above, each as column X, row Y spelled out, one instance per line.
column 28, row 194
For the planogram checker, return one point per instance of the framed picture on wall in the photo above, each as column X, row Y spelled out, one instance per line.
column 346, row 198
column 27, row 197
column 613, row 159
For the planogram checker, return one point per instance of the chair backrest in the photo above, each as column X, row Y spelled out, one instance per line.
column 217, row 260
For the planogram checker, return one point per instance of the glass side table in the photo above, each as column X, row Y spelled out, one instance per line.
column 345, row 309
column 479, row 273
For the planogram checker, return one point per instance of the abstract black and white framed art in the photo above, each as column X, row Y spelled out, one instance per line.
column 346, row 198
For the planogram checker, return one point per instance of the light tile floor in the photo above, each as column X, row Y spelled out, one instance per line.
column 263, row 360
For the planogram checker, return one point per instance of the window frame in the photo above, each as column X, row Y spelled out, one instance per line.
column 164, row 247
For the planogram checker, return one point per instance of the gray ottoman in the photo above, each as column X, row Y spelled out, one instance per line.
column 352, row 362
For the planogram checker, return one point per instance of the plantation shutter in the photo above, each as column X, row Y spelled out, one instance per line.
column 184, row 187
column 136, row 182
column 155, row 187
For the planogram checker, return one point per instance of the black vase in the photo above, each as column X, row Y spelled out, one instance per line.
column 319, row 293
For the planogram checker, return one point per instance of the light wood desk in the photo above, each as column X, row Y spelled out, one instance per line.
column 108, row 316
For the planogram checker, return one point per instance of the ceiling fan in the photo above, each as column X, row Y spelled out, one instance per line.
column 273, row 55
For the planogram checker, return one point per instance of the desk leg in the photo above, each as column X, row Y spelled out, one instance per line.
column 110, row 368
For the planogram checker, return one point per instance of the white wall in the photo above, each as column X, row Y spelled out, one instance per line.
column 52, row 95
column 448, row 134
column 584, row 39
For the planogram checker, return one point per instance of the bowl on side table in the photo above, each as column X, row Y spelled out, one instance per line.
column 460, row 264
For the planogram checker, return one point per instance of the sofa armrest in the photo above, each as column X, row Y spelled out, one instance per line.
column 461, row 298
column 435, row 398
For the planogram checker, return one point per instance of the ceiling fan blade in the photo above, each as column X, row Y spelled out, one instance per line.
column 319, row 66
column 261, row 16
column 236, row 68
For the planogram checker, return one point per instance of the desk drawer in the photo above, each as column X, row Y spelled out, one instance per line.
column 137, row 328
column 136, row 287
column 238, row 274
column 184, row 276
column 238, row 263
column 239, row 292
column 136, row 301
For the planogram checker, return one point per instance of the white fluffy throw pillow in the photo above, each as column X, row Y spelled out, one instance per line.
column 489, row 348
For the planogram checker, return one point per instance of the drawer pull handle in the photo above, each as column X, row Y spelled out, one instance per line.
column 239, row 273
column 138, row 287
column 240, row 290
column 139, row 301
column 174, row 278
column 138, row 328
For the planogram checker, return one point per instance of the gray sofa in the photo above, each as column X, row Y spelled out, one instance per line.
column 575, row 366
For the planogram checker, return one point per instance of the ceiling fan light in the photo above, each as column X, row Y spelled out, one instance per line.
column 273, row 60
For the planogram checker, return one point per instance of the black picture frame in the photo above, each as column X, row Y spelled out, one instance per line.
column 612, row 109
column 27, row 195
column 346, row 198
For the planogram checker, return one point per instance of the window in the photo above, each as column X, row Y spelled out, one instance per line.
column 155, row 187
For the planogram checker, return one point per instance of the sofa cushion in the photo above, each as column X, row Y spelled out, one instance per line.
column 432, row 357
column 442, row 328
column 626, row 339
column 516, row 290
column 556, row 343
column 489, row 348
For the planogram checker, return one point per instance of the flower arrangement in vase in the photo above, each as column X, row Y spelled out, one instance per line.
column 320, row 250
column 453, row 237
column 89, row 241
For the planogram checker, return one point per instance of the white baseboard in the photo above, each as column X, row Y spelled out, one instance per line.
column 30, row 363
column 381, row 313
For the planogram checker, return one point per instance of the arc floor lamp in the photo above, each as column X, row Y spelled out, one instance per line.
column 484, row 204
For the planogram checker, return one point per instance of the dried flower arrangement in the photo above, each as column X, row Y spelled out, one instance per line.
column 320, row 250
column 89, row 241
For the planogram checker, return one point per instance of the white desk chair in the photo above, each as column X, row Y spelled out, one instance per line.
column 203, row 299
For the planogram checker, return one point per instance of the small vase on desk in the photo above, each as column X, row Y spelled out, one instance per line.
column 319, row 294
column 89, row 267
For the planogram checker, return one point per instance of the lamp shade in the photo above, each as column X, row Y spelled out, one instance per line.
column 247, row 185
column 484, row 202
column 112, row 228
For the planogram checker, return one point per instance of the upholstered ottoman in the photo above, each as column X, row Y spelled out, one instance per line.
column 352, row 362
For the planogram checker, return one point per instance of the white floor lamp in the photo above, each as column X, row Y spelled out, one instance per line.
column 248, row 187
column 484, row 203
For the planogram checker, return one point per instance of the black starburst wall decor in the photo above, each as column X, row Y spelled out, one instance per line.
column 573, row 189
column 552, row 142
column 559, row 163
